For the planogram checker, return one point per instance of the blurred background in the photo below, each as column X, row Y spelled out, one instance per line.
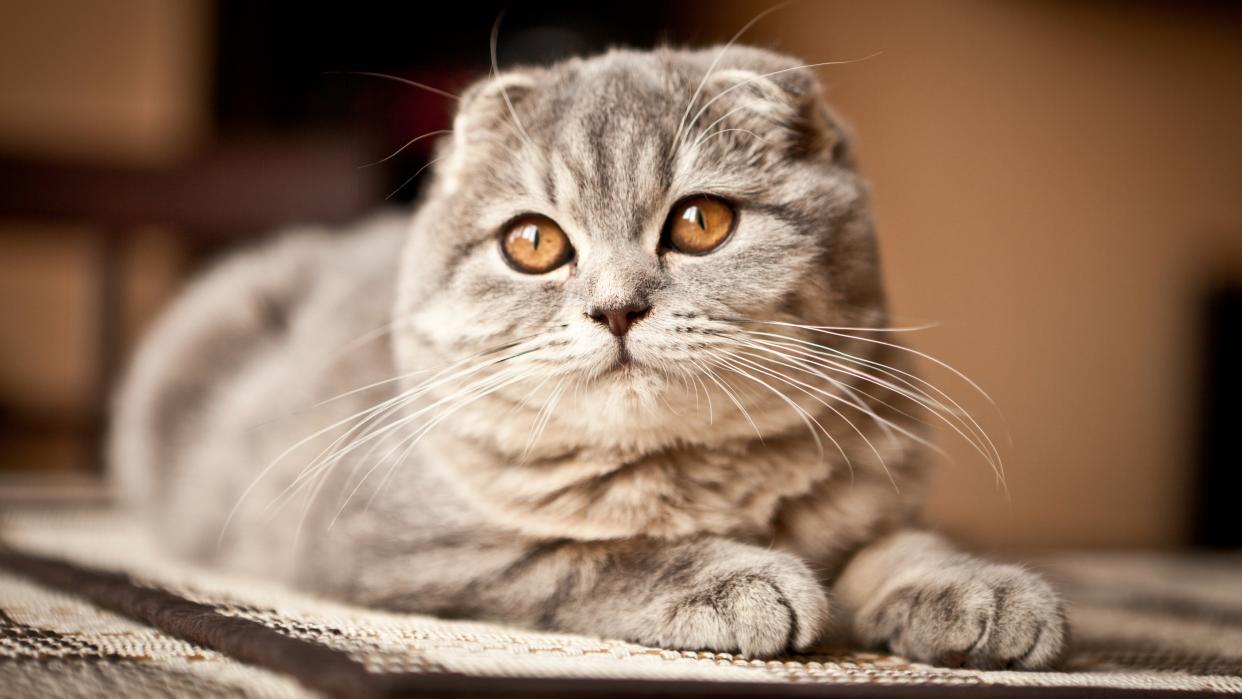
column 1059, row 185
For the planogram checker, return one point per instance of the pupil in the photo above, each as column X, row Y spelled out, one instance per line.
column 531, row 233
column 695, row 215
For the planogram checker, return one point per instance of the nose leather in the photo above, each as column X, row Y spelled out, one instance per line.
column 620, row 319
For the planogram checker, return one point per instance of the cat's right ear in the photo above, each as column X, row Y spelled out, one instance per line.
column 493, row 98
column 787, row 104
column 776, row 96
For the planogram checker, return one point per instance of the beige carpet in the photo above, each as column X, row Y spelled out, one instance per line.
column 88, row 607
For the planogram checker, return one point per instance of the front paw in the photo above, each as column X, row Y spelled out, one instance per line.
column 974, row 614
column 758, row 609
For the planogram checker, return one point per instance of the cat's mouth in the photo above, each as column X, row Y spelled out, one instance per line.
column 624, row 358
column 622, row 361
column 622, row 365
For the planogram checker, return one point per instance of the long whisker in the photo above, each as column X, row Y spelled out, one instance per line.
column 807, row 419
column 543, row 417
column 981, row 438
column 711, row 417
column 408, row 143
column 385, row 457
column 827, row 358
column 324, row 464
column 837, row 332
column 402, row 399
column 503, row 92
column 337, row 356
column 412, row 440
column 306, row 507
column 415, row 438
column 437, row 420
column 711, row 375
column 404, row 81
column 396, row 400
column 825, row 353
column 978, row 437
column 372, row 335
column 801, row 386
column 789, row 357
column 838, row 328
column 851, row 393
column 326, row 459
column 352, row 478
column 457, row 363
column 410, row 179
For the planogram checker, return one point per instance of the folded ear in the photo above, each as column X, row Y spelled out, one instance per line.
column 491, row 101
column 821, row 131
column 765, row 93
column 488, row 114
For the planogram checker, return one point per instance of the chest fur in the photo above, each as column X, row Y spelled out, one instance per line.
column 732, row 490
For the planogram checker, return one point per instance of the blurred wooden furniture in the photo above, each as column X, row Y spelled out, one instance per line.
column 234, row 191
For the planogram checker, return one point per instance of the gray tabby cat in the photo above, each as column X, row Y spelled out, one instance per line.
column 619, row 376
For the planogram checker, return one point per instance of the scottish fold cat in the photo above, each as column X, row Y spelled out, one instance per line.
column 625, row 371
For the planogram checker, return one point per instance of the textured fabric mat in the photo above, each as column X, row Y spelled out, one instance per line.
column 89, row 607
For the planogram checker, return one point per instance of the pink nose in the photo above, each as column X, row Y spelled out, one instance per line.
column 619, row 320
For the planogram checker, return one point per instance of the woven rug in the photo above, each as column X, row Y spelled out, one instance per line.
column 89, row 607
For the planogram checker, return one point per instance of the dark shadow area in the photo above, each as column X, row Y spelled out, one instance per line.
column 1218, row 516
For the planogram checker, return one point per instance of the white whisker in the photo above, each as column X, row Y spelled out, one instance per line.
column 410, row 179
column 730, row 395
column 408, row 143
column 503, row 92
column 807, row 418
column 542, row 417
column 952, row 416
column 852, row 392
column 362, row 415
column 977, row 436
column 404, row 81
column 802, row 386
column 412, row 440
column 448, row 412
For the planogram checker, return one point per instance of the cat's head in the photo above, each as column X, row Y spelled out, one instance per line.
column 602, row 227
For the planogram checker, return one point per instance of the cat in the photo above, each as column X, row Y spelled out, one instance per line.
column 623, row 373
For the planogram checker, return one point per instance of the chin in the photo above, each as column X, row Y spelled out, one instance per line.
column 626, row 387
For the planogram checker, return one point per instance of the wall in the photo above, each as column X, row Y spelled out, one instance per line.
column 111, row 83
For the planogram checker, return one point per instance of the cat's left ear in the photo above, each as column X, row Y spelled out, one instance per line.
column 788, row 105
column 819, row 130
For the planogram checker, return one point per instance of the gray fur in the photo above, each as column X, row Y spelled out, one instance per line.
column 632, row 501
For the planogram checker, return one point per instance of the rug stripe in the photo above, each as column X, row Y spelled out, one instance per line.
column 336, row 674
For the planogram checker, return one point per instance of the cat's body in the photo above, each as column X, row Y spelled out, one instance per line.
column 591, row 448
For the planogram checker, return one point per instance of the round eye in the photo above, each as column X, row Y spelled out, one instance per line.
column 699, row 224
column 535, row 244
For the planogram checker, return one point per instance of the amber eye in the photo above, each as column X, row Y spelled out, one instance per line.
column 699, row 224
column 535, row 244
